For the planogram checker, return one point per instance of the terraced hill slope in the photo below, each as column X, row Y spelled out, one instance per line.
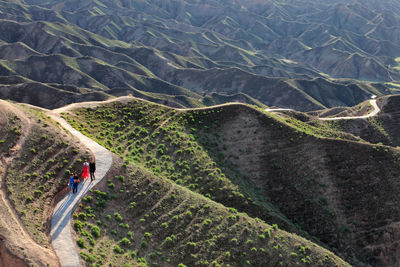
column 329, row 186
column 305, row 55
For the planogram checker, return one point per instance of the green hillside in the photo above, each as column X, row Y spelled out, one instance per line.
column 298, row 175
column 137, row 216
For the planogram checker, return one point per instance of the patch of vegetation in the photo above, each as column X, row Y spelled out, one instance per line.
column 179, row 146
column 212, row 234
column 266, row 165
column 40, row 172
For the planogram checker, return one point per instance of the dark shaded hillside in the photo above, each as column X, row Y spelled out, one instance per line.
column 343, row 193
column 291, row 54
column 383, row 128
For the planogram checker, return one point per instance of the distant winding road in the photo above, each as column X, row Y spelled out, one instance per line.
column 60, row 232
column 371, row 114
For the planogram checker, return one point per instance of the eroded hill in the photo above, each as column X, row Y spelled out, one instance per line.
column 305, row 55
column 329, row 186
column 383, row 128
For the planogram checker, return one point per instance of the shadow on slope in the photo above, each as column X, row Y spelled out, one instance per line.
column 278, row 169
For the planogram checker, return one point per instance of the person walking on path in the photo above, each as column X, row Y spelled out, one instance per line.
column 71, row 182
column 85, row 172
column 92, row 169
column 76, row 182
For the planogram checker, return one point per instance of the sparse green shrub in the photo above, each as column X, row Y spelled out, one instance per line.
column 81, row 242
column 207, row 222
column 87, row 257
column 268, row 232
column 169, row 240
column 28, row 199
column 120, row 178
column 78, row 225
column 95, row 231
column 82, row 216
column 38, row 193
column 118, row 250
column 125, row 241
column 142, row 260
column 118, row 217
column 101, row 203
column 88, row 199
column 130, row 234
column 191, row 244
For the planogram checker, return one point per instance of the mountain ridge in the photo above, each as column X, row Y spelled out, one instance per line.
column 172, row 41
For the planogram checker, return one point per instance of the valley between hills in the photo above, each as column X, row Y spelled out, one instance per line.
column 303, row 54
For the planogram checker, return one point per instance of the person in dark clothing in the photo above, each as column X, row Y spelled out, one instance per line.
column 92, row 169
column 75, row 185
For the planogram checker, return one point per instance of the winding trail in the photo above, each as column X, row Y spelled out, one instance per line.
column 278, row 109
column 60, row 233
column 371, row 114
column 61, row 237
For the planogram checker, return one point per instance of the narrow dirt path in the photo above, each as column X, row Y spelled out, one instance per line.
column 277, row 109
column 371, row 114
column 60, row 233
